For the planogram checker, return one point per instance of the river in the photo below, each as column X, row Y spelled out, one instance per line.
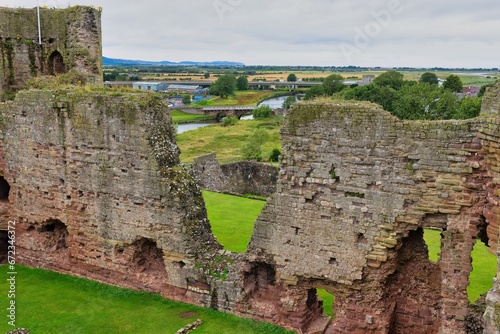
column 275, row 102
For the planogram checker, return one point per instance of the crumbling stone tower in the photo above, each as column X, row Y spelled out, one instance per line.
column 71, row 41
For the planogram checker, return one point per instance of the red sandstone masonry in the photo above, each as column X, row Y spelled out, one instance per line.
column 356, row 188
column 355, row 183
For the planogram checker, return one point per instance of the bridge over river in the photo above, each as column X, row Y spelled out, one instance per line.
column 220, row 111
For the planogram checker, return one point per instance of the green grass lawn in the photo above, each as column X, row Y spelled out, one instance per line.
column 52, row 303
column 232, row 218
column 227, row 141
column 178, row 116
column 328, row 300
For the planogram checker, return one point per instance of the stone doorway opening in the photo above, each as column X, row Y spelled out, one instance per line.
column 484, row 263
column 56, row 64
column 328, row 300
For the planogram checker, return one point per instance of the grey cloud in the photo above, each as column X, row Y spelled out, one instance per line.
column 292, row 32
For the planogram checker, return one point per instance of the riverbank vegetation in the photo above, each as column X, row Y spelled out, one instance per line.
column 179, row 117
column 228, row 141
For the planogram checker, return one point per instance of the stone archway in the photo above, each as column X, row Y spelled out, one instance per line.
column 56, row 63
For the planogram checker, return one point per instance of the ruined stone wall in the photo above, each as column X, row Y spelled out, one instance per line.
column 357, row 186
column 491, row 100
column 71, row 41
column 244, row 177
column 97, row 191
column 491, row 138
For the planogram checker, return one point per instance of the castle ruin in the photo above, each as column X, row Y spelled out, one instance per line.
column 70, row 41
column 98, row 191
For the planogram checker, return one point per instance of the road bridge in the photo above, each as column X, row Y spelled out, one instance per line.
column 220, row 111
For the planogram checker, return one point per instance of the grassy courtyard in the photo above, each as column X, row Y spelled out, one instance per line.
column 52, row 303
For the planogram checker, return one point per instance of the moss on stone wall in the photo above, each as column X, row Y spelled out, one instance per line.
column 74, row 32
column 310, row 112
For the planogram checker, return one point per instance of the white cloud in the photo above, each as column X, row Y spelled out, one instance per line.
column 298, row 32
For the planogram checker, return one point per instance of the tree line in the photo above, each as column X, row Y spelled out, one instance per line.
column 424, row 100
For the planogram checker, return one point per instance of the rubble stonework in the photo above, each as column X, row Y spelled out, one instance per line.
column 71, row 41
column 491, row 100
column 240, row 178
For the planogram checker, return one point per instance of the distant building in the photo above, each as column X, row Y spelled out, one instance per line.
column 366, row 80
column 152, row 86
column 189, row 89
column 470, row 91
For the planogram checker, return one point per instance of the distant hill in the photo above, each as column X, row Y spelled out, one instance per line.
column 125, row 62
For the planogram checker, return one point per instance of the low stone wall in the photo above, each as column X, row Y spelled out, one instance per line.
column 244, row 177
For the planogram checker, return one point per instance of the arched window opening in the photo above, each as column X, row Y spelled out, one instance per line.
column 56, row 63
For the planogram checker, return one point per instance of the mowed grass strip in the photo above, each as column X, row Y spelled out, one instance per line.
column 227, row 141
column 232, row 218
column 52, row 303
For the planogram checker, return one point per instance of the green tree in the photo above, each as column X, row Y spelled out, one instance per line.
column 291, row 77
column 425, row 101
column 186, row 99
column 275, row 155
column 262, row 112
column 111, row 76
column 333, row 83
column 393, row 79
column 224, row 86
column 313, row 92
column 288, row 102
column 242, row 82
column 383, row 95
column 252, row 148
column 453, row 83
column 206, row 75
column 469, row 108
column 430, row 78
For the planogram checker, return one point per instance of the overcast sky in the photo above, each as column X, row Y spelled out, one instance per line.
column 395, row 33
